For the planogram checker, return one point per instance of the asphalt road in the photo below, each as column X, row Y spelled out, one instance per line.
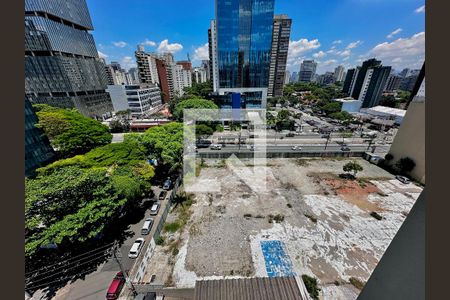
column 95, row 285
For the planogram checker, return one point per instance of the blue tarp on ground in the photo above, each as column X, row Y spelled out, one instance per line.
column 278, row 262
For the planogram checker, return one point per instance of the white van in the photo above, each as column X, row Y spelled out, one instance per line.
column 147, row 226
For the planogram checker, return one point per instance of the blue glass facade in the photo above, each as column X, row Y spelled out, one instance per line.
column 244, row 38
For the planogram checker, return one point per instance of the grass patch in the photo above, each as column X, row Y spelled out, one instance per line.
column 376, row 216
column 311, row 286
column 357, row 283
column 172, row 227
column 312, row 218
column 362, row 182
column 160, row 240
column 301, row 162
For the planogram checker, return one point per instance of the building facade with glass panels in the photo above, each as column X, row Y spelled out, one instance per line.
column 244, row 40
column 62, row 67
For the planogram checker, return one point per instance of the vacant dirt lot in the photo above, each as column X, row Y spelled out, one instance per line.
column 324, row 224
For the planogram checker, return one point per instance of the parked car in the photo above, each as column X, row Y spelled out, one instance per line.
column 148, row 223
column 290, row 134
column 167, row 184
column 296, row 148
column 375, row 160
column 345, row 148
column 115, row 287
column 162, row 195
column 155, row 208
column 136, row 248
column 403, row 179
column 215, row 147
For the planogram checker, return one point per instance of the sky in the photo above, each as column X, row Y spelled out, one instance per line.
column 332, row 32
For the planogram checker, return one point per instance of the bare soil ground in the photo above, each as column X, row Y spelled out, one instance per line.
column 327, row 228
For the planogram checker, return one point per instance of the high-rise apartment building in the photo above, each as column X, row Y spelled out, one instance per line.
column 200, row 75
column 244, row 40
column 206, row 65
column 182, row 78
column 37, row 146
column 393, row 83
column 146, row 66
column 307, row 71
column 373, row 85
column 62, row 67
column 348, row 81
column 339, row 73
column 287, row 77
column 213, row 56
column 278, row 58
column 134, row 75
column 407, row 83
column 358, row 84
column 294, row 77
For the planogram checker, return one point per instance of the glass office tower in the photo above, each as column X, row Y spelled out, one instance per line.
column 62, row 67
column 244, row 38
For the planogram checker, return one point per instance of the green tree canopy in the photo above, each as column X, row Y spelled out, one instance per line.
column 194, row 103
column 352, row 166
column 201, row 90
column 405, row 165
column 70, row 132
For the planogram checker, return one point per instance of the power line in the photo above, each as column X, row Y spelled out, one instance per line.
column 47, row 267
column 63, row 266
column 58, row 280
column 63, row 271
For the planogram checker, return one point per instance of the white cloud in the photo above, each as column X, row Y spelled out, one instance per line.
column 319, row 54
column 297, row 49
column 102, row 55
column 127, row 62
column 337, row 42
column 403, row 52
column 346, row 58
column 202, row 52
column 148, row 43
column 396, row 31
column 344, row 53
column 420, row 9
column 164, row 46
column 353, row 45
column 120, row 44
column 329, row 62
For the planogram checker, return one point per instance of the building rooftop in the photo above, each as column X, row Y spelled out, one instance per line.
column 388, row 110
column 286, row 288
column 348, row 99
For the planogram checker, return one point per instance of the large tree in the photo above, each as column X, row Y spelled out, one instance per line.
column 352, row 166
column 70, row 132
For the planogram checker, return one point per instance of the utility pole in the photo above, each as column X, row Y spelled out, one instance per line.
column 117, row 255
column 328, row 138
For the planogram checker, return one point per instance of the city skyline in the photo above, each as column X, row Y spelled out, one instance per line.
column 329, row 36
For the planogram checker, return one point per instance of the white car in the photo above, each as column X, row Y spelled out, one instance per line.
column 216, row 147
column 296, row 148
column 136, row 248
column 154, row 209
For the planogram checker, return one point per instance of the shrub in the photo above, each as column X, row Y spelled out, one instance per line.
column 405, row 165
column 356, row 283
column 311, row 286
column 172, row 227
column 289, row 205
column 278, row 218
column 247, row 215
column 312, row 218
column 389, row 157
column 160, row 241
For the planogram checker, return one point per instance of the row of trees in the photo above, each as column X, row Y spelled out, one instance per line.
column 73, row 200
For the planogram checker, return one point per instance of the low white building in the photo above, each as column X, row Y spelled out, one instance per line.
column 349, row 104
column 140, row 100
column 384, row 112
